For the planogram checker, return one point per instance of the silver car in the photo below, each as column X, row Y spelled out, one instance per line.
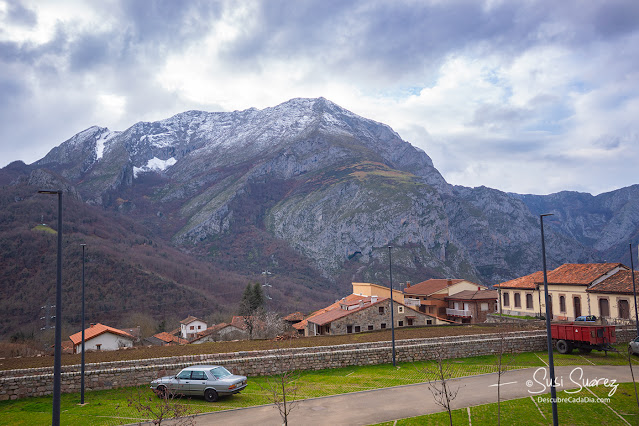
column 209, row 381
column 633, row 346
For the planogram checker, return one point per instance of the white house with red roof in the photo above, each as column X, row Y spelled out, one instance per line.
column 190, row 327
column 100, row 337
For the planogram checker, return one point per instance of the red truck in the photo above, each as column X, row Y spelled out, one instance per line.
column 585, row 337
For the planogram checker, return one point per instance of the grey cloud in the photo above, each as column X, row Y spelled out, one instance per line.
column 19, row 14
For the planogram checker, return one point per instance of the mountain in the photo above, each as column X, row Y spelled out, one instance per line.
column 315, row 194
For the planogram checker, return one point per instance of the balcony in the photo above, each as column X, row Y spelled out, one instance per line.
column 458, row 313
column 411, row 302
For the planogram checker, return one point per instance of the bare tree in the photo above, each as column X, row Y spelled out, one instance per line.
column 283, row 385
column 502, row 367
column 161, row 406
column 439, row 372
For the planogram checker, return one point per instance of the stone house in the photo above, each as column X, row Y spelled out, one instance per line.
column 365, row 313
column 220, row 332
column 471, row 307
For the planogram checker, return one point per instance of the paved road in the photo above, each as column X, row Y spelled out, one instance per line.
column 381, row 405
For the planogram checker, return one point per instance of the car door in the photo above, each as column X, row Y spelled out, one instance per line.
column 182, row 382
column 198, row 383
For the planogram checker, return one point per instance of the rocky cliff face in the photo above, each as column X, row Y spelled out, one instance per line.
column 334, row 187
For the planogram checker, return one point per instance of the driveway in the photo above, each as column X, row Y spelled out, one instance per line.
column 388, row 404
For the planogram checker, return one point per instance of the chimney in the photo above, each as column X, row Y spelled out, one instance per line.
column 373, row 299
column 407, row 284
column 449, row 281
column 92, row 324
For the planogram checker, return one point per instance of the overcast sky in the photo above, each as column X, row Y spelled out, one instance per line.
column 522, row 96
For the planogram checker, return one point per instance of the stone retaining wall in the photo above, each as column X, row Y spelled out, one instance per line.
column 24, row 383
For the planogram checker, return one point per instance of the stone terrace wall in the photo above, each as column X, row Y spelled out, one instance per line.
column 39, row 381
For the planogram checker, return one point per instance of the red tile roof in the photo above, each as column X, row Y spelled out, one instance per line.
column 527, row 281
column 336, row 313
column 348, row 299
column 474, row 295
column 96, row 330
column 428, row 287
column 579, row 273
column 621, row 282
column 189, row 320
column 295, row 316
column 170, row 338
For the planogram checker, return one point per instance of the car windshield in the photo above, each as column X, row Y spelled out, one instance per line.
column 220, row 372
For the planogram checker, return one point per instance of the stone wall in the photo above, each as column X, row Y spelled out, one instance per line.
column 39, row 381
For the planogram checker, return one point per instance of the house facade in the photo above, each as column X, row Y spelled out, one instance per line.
column 221, row 332
column 190, row 327
column 430, row 296
column 100, row 337
column 471, row 307
column 369, row 289
column 573, row 290
column 367, row 314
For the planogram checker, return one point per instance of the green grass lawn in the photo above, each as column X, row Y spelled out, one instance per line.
column 111, row 407
column 529, row 411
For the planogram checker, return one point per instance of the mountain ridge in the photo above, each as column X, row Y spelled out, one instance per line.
column 312, row 184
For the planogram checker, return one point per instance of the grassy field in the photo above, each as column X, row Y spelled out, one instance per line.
column 620, row 410
column 112, row 407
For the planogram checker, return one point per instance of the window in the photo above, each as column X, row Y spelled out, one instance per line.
column 199, row 327
column 576, row 302
column 604, row 308
column 429, row 322
column 562, row 303
column 400, row 323
column 192, row 327
column 357, row 329
column 381, row 309
column 383, row 325
column 410, row 321
column 184, row 375
column 349, row 328
column 506, row 299
column 400, row 309
column 624, row 309
column 517, row 300
column 370, row 327
column 484, row 306
column 198, row 375
column 98, row 347
column 529, row 301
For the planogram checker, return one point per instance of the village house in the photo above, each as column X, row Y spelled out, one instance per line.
column 471, row 307
column 430, row 296
column 100, row 337
column 220, row 332
column 165, row 339
column 356, row 313
column 190, row 327
column 600, row 289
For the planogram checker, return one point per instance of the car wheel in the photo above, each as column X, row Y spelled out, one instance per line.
column 563, row 347
column 210, row 395
column 161, row 392
column 630, row 350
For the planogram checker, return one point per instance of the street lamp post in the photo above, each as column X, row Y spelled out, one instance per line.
column 57, row 362
column 634, row 289
column 551, row 363
column 390, row 269
column 82, row 368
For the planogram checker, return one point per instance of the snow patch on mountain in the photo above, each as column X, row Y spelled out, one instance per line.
column 154, row 164
column 102, row 142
